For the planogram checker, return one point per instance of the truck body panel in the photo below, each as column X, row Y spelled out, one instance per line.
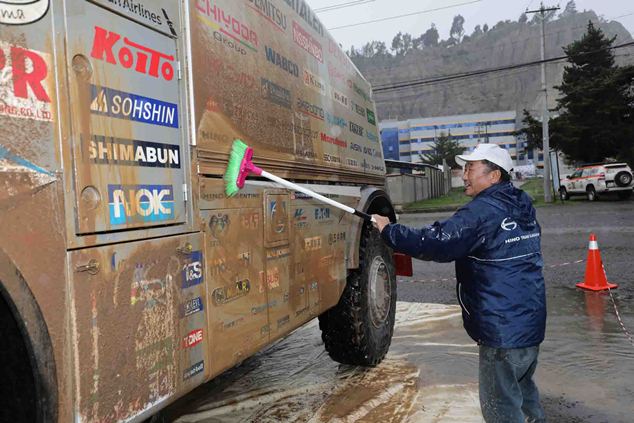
column 134, row 277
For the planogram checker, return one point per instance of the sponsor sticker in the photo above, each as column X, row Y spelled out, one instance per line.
column 192, row 273
column 270, row 12
column 304, row 11
column 340, row 98
column 356, row 129
column 306, row 41
column 314, row 82
column 231, row 26
column 276, row 94
column 194, row 370
column 192, row 306
column 120, row 151
column 333, row 140
column 334, row 238
column 310, row 109
column 231, row 292
column 20, row 12
column 371, row 136
column 140, row 203
column 122, row 105
column 371, row 118
column 360, row 110
column 281, row 62
column 322, row 213
column 193, row 338
column 312, row 243
column 24, row 81
column 111, row 47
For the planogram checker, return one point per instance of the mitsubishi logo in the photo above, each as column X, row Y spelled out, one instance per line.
column 508, row 225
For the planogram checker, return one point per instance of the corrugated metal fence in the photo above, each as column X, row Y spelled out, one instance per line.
column 420, row 182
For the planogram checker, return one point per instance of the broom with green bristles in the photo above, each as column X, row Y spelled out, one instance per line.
column 240, row 166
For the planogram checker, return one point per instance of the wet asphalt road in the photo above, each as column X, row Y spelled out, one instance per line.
column 586, row 362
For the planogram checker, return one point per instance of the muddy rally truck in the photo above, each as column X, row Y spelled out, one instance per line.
column 127, row 276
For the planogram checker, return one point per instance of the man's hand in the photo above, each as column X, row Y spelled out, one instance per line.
column 380, row 222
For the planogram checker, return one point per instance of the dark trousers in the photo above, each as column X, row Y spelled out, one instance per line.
column 507, row 391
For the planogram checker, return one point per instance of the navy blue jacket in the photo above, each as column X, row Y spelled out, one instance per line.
column 495, row 241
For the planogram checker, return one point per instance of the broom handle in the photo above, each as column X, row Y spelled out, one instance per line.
column 319, row 197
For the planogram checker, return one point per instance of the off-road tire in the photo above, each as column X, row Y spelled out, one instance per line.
column 351, row 332
column 563, row 194
column 624, row 195
column 591, row 193
column 623, row 178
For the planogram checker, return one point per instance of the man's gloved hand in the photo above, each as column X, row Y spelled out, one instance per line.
column 380, row 222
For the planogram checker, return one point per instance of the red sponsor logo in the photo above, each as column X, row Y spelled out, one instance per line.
column 227, row 24
column 24, row 81
column 333, row 140
column 193, row 338
column 28, row 69
column 307, row 42
column 145, row 60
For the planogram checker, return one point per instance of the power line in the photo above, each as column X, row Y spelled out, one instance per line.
column 342, row 5
column 418, row 82
column 405, row 15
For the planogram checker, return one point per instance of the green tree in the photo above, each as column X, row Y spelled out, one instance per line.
column 531, row 131
column 596, row 105
column 430, row 37
column 457, row 29
column 570, row 9
column 443, row 148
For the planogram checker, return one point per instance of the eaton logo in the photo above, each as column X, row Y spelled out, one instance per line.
column 193, row 271
column 322, row 213
column 140, row 203
column 127, row 106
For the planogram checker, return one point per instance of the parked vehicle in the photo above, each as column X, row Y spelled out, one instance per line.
column 127, row 277
column 598, row 179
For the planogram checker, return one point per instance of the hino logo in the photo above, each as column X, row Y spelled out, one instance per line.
column 508, row 225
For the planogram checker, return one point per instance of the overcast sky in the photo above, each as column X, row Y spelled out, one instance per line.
column 476, row 13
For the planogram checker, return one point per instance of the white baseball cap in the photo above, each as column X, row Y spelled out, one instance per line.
column 491, row 152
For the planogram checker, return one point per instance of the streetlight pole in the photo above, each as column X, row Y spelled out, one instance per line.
column 548, row 191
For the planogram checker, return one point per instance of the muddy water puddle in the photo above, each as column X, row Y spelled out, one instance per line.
column 430, row 374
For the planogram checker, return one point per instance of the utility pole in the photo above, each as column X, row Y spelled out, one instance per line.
column 548, row 190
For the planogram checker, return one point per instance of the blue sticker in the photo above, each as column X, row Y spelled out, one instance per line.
column 140, row 203
column 194, row 370
column 122, row 105
column 193, row 271
column 192, row 306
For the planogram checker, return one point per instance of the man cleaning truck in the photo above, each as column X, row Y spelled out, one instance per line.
column 127, row 276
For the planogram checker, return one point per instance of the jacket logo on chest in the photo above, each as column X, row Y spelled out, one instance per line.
column 508, row 224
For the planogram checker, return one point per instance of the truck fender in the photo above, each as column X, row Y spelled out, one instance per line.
column 373, row 201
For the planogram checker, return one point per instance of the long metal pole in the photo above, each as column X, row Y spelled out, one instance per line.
column 548, row 190
column 548, row 196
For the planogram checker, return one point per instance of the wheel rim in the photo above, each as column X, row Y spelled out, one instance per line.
column 591, row 195
column 380, row 292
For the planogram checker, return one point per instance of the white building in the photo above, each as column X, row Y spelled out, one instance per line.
column 416, row 136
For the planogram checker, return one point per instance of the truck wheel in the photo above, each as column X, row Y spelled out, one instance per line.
column 625, row 195
column 591, row 193
column 563, row 194
column 358, row 330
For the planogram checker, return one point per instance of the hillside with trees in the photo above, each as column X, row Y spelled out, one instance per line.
column 424, row 57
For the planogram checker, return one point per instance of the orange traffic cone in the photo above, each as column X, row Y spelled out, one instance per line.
column 595, row 279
